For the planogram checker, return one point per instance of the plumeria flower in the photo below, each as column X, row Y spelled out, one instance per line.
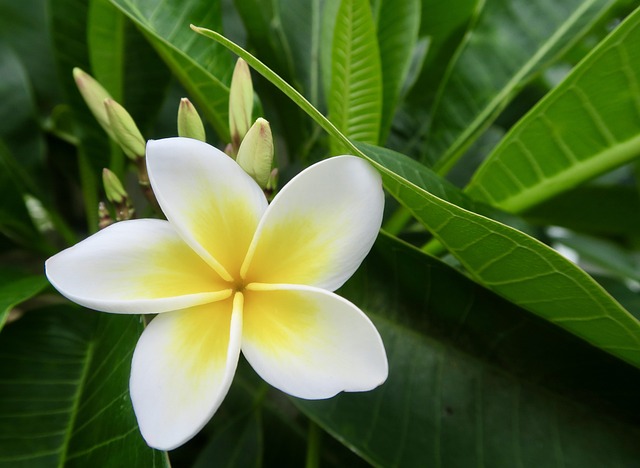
column 227, row 272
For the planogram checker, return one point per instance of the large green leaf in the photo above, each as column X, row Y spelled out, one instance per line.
column 397, row 30
column 65, row 397
column 586, row 126
column 511, row 41
column 355, row 98
column 513, row 264
column 470, row 383
column 203, row 70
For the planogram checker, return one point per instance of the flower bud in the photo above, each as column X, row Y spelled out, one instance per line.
column 125, row 130
column 113, row 187
column 117, row 195
column 94, row 95
column 189, row 122
column 240, row 103
column 255, row 155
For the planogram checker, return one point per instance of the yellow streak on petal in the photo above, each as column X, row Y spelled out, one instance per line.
column 173, row 270
column 297, row 250
column 224, row 233
column 201, row 340
column 281, row 323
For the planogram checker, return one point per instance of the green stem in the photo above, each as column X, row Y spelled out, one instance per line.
column 313, row 446
column 397, row 221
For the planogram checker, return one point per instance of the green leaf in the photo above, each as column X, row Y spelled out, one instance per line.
column 397, row 30
column 355, row 99
column 65, row 397
column 511, row 263
column 204, row 70
column 469, row 382
column 15, row 288
column 511, row 41
column 586, row 126
column 525, row 271
column 420, row 175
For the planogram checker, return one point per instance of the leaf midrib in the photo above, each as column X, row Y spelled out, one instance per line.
column 76, row 403
column 563, row 180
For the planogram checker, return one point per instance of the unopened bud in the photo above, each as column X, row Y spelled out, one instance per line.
column 117, row 195
column 189, row 122
column 255, row 155
column 240, row 103
column 113, row 187
column 94, row 95
column 125, row 130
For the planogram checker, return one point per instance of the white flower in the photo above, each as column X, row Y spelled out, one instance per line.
column 227, row 272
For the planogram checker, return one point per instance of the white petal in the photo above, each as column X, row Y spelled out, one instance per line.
column 311, row 343
column 320, row 227
column 208, row 198
column 138, row 266
column 182, row 369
